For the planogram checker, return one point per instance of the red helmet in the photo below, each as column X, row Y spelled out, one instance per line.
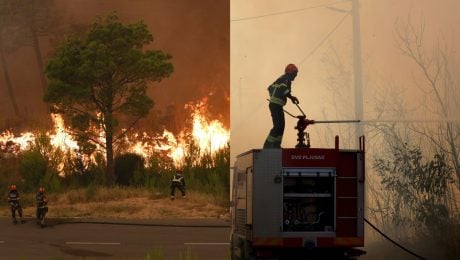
column 13, row 187
column 290, row 68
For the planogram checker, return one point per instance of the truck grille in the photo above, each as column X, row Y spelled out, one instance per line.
column 241, row 227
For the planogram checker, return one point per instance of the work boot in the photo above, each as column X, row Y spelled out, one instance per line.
column 15, row 221
column 172, row 197
column 184, row 197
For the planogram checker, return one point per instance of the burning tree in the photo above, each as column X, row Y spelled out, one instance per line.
column 101, row 77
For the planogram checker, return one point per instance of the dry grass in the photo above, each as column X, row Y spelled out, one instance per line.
column 125, row 203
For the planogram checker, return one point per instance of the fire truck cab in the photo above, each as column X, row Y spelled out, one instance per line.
column 297, row 203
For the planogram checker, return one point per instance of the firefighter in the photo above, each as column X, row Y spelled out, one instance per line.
column 177, row 182
column 15, row 204
column 41, row 201
column 279, row 91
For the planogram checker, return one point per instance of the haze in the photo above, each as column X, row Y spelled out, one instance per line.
column 196, row 34
column 261, row 47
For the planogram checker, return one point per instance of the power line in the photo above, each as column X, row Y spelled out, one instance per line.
column 286, row 12
column 325, row 38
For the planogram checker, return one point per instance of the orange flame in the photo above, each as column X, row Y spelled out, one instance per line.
column 61, row 139
column 209, row 135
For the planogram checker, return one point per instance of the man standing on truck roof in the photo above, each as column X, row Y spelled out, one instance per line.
column 279, row 91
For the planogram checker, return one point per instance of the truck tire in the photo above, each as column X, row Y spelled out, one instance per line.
column 246, row 250
column 240, row 249
column 233, row 248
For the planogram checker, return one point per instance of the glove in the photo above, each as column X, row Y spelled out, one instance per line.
column 294, row 100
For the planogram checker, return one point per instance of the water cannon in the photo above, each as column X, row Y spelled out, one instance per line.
column 302, row 124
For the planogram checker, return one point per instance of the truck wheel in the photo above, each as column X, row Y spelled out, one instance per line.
column 232, row 249
column 240, row 249
column 246, row 251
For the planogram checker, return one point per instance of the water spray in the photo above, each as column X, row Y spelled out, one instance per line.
column 411, row 120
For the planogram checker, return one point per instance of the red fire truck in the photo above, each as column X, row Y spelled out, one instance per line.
column 299, row 202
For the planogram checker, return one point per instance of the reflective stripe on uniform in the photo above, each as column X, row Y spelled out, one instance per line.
column 273, row 139
column 277, row 101
column 177, row 179
column 274, row 98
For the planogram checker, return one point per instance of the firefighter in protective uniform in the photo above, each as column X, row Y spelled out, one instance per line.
column 42, row 202
column 177, row 182
column 279, row 91
column 15, row 204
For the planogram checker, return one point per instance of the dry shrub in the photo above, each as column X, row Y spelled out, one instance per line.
column 125, row 203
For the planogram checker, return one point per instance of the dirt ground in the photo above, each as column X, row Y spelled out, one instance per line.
column 131, row 208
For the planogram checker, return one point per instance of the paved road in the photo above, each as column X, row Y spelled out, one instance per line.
column 201, row 239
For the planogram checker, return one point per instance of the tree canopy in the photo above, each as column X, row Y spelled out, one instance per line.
column 100, row 77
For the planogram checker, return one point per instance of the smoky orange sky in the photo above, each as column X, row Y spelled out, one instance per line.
column 195, row 33
column 261, row 48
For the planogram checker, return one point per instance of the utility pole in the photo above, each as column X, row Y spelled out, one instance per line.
column 357, row 67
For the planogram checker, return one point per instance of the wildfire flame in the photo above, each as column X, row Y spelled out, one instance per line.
column 61, row 139
column 208, row 135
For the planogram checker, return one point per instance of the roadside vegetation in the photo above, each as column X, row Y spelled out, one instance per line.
column 412, row 140
column 141, row 190
column 131, row 203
